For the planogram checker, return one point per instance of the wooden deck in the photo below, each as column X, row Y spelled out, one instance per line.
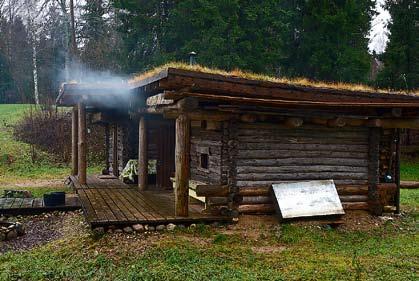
column 108, row 201
column 31, row 206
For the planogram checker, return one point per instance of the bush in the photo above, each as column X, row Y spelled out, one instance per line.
column 50, row 130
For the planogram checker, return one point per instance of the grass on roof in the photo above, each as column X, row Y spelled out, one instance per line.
column 260, row 77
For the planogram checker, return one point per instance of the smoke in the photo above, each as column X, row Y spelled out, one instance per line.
column 75, row 72
column 100, row 89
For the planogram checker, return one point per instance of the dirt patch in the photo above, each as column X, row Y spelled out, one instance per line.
column 37, row 183
column 41, row 229
column 268, row 249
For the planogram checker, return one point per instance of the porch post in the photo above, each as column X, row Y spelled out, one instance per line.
column 182, row 165
column 142, row 154
column 115, row 168
column 82, row 144
column 74, row 139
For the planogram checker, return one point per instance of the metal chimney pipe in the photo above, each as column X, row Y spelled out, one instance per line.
column 192, row 58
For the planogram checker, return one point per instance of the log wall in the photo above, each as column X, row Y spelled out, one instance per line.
column 205, row 141
column 268, row 154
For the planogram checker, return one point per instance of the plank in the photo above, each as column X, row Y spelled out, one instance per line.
column 129, row 210
column 16, row 203
column 89, row 211
column 146, row 207
column 27, row 203
column 113, row 203
column 98, row 206
column 8, row 202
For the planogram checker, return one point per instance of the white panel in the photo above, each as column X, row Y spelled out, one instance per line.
column 307, row 199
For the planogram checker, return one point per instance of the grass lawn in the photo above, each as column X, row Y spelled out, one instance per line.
column 389, row 251
column 15, row 157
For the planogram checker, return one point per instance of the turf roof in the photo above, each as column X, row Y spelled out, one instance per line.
column 260, row 77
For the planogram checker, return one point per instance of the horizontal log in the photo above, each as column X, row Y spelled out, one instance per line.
column 412, row 123
column 280, row 154
column 244, row 183
column 298, row 133
column 300, row 146
column 293, row 122
column 337, row 122
column 303, row 176
column 250, row 200
column 271, row 139
column 353, row 198
column 345, row 191
column 409, row 184
column 302, row 161
column 296, row 169
column 254, row 191
column 256, row 209
column 217, row 201
column 355, row 206
column 352, row 189
column 307, row 127
column 212, row 190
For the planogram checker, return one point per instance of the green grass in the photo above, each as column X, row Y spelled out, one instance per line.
column 21, row 166
column 389, row 252
column 409, row 170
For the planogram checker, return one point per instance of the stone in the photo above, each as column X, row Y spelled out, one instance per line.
column 138, row 227
column 128, row 229
column 151, row 228
column 118, row 230
column 20, row 229
column 99, row 230
column 2, row 236
column 171, row 227
column 182, row 226
column 215, row 224
column 110, row 230
column 11, row 234
column 192, row 226
column 160, row 227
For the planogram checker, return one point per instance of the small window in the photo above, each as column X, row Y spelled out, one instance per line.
column 204, row 160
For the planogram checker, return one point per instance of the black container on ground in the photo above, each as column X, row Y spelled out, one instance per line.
column 54, row 198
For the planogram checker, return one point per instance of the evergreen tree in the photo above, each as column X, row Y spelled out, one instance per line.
column 401, row 58
column 226, row 34
column 327, row 40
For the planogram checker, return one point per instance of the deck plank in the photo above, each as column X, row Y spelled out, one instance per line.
column 148, row 214
column 119, row 212
column 108, row 201
column 88, row 209
column 131, row 213
column 16, row 203
column 97, row 206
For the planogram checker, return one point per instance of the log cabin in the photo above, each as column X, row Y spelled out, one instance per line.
column 224, row 138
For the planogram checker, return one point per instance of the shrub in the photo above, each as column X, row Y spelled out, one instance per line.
column 50, row 130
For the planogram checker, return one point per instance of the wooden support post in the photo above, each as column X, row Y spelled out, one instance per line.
column 397, row 175
column 142, row 154
column 373, row 171
column 182, row 166
column 82, row 144
column 107, row 149
column 115, row 168
column 74, row 142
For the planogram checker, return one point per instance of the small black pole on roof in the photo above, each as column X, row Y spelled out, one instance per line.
column 192, row 58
